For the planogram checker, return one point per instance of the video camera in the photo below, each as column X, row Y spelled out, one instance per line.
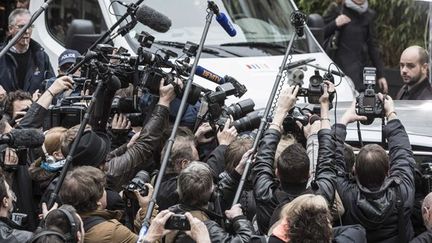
column 368, row 103
column 137, row 183
column 315, row 89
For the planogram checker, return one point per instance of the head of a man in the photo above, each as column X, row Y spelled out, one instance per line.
column 235, row 151
column 7, row 197
column 17, row 103
column 413, row 65
column 66, row 60
column 182, row 153
column 371, row 166
column 292, row 166
column 84, row 189
column 195, row 184
column 17, row 20
column 61, row 225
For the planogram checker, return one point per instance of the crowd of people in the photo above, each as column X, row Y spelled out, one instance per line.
column 311, row 191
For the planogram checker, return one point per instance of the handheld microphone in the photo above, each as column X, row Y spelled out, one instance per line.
column 299, row 63
column 29, row 138
column 209, row 75
column 298, row 20
column 153, row 19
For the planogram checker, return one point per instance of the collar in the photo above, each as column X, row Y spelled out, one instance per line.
column 417, row 86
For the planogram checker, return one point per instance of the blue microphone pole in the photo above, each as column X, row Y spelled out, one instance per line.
column 146, row 223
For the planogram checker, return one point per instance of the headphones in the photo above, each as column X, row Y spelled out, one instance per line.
column 48, row 158
column 69, row 237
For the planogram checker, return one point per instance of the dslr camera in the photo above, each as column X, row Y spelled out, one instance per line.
column 368, row 103
column 178, row 222
column 137, row 183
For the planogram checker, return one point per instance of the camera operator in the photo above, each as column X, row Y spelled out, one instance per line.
column 138, row 155
column 10, row 231
column 15, row 106
column 84, row 188
column 292, row 169
column 195, row 188
column 380, row 179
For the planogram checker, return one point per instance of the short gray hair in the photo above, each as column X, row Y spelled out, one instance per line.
column 195, row 184
column 15, row 13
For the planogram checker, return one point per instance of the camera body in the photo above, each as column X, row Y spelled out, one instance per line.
column 178, row 222
column 137, row 183
column 368, row 103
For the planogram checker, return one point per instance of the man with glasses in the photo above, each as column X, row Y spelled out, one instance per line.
column 26, row 64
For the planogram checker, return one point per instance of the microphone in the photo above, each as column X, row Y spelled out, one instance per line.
column 209, row 75
column 298, row 20
column 152, row 18
column 29, row 138
column 299, row 63
column 222, row 19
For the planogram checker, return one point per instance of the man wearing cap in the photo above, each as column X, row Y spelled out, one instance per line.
column 26, row 64
column 65, row 61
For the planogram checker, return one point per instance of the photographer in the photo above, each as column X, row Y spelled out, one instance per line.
column 195, row 188
column 292, row 169
column 380, row 179
column 84, row 188
column 138, row 155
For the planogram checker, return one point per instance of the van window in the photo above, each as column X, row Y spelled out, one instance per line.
column 60, row 14
column 263, row 27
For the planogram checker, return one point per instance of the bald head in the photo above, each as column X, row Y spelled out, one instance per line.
column 413, row 65
column 427, row 211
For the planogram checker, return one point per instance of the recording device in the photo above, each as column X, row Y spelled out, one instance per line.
column 222, row 19
column 152, row 18
column 137, row 183
column 178, row 222
column 27, row 138
column 315, row 89
column 298, row 20
column 368, row 103
column 236, row 111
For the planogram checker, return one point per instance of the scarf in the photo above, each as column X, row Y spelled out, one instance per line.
column 358, row 8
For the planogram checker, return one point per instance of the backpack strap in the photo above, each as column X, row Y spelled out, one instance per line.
column 92, row 221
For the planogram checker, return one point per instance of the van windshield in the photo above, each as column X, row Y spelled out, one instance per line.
column 263, row 27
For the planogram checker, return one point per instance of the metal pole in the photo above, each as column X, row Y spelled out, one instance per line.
column 146, row 222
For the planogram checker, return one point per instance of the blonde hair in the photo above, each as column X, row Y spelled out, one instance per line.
column 52, row 141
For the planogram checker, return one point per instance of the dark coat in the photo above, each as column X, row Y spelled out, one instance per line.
column 425, row 237
column 10, row 232
column 39, row 69
column 357, row 40
column 421, row 91
column 376, row 210
column 268, row 192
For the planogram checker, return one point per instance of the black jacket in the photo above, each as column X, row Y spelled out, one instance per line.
column 421, row 91
column 168, row 195
column 10, row 232
column 357, row 40
column 241, row 226
column 268, row 192
column 39, row 69
column 425, row 237
column 377, row 210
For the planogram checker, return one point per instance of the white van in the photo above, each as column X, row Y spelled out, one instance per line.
column 253, row 56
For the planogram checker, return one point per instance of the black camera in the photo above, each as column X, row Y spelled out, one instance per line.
column 137, row 183
column 178, row 222
column 236, row 111
column 249, row 122
column 368, row 103
column 315, row 89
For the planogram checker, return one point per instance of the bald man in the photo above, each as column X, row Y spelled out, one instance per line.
column 414, row 70
column 427, row 219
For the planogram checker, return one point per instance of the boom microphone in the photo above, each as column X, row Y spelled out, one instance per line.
column 29, row 138
column 153, row 19
column 298, row 20
column 299, row 63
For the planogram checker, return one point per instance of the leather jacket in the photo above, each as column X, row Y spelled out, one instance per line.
column 267, row 190
column 376, row 210
column 124, row 167
column 10, row 233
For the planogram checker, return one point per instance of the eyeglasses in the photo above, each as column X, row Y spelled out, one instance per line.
column 20, row 26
